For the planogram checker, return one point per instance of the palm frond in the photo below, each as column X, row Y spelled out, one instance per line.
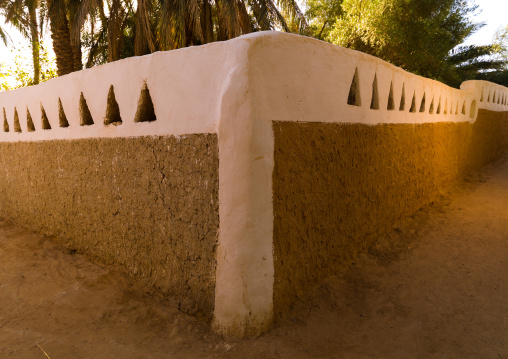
column 171, row 24
column 84, row 9
column 463, row 54
column 192, row 21
column 291, row 8
column 144, row 35
column 245, row 19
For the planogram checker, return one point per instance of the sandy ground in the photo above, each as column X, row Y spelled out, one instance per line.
column 435, row 287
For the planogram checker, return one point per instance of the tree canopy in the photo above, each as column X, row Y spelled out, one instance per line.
column 108, row 30
column 421, row 36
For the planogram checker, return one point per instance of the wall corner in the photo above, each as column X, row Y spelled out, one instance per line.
column 244, row 274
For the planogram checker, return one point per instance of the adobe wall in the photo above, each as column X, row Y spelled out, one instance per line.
column 121, row 162
column 337, row 187
column 180, row 166
column 147, row 204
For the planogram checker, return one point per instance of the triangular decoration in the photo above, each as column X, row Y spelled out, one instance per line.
column 84, row 113
column 145, row 111
column 17, row 127
column 391, row 104
column 44, row 119
column 431, row 108
column 402, row 105
column 413, row 103
column 354, row 91
column 112, row 110
column 422, row 105
column 374, row 101
column 6, row 124
column 62, row 119
column 29, row 123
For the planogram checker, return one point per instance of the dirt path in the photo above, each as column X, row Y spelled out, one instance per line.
column 435, row 287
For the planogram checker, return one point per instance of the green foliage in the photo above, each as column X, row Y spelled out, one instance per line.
column 500, row 74
column 125, row 30
column 474, row 62
column 421, row 36
column 20, row 73
column 501, row 42
column 4, row 78
column 416, row 35
column 322, row 15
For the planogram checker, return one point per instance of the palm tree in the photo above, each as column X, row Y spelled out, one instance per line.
column 474, row 62
column 114, row 29
column 169, row 24
column 57, row 12
column 22, row 14
column 3, row 34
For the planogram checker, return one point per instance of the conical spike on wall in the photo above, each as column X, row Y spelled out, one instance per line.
column 438, row 106
column 112, row 110
column 481, row 96
column 84, row 112
column 402, row 105
column 17, row 127
column 29, row 123
column 391, row 104
column 374, row 101
column 145, row 111
column 44, row 119
column 62, row 119
column 6, row 124
column 413, row 103
column 464, row 108
column 354, row 91
column 431, row 108
column 422, row 104
column 446, row 107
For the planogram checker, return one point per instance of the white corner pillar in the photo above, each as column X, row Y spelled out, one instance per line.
column 245, row 274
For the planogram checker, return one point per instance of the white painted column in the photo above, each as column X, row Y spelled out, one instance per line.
column 244, row 277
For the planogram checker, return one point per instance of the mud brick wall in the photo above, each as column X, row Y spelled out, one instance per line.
column 337, row 187
column 146, row 204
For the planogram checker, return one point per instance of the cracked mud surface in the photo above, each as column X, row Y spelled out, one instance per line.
column 148, row 205
column 434, row 287
column 338, row 187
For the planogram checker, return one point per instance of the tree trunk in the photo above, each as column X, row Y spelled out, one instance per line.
column 207, row 22
column 34, row 34
column 114, row 32
column 60, row 35
column 76, row 47
column 76, row 56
